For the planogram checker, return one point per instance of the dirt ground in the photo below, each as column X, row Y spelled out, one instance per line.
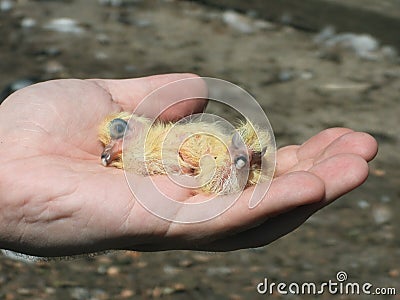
column 303, row 87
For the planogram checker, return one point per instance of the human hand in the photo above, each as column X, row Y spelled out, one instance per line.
column 57, row 199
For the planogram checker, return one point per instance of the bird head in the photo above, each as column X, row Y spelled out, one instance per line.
column 111, row 133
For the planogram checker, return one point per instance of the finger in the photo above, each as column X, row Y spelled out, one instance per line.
column 129, row 93
column 315, row 145
column 286, row 158
column 341, row 174
column 359, row 143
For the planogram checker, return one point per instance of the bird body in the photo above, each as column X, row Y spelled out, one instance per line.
column 221, row 161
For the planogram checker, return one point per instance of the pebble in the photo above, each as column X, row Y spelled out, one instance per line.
column 186, row 263
column 306, row 75
column 111, row 2
column 103, row 39
column 130, row 68
column 24, row 292
column 390, row 53
column 212, row 271
column 364, row 45
column 170, row 270
column 202, row 257
column 6, row 5
column 64, row 25
column 101, row 55
column 363, row 204
column 237, row 21
column 286, row 75
column 79, row 293
column 142, row 23
column 385, row 199
column 117, row 3
column 102, row 269
column 53, row 67
column 50, row 290
column 28, row 23
column 51, row 51
column 112, row 271
column 127, row 293
column 394, row 273
column 381, row 214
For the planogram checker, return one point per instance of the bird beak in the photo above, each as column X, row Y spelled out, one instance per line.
column 111, row 152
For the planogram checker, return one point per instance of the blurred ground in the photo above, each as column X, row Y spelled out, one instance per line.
column 304, row 87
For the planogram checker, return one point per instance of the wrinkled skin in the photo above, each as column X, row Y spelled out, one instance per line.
column 57, row 199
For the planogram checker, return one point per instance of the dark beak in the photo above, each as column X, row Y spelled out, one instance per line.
column 111, row 151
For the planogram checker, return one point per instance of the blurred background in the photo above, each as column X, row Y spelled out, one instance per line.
column 311, row 64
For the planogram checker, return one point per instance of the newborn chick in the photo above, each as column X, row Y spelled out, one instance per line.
column 220, row 161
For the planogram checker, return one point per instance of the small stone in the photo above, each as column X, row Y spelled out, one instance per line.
column 54, row 67
column 237, row 21
column 363, row 204
column 179, row 287
column 389, row 52
column 102, row 269
column 142, row 23
column 50, row 290
column 142, row 264
column 170, row 270
column 9, row 296
column 28, row 23
column 114, row 3
column 127, row 293
column 202, row 257
column 381, row 214
column 24, row 291
column 167, row 291
column 6, row 5
column 130, row 68
column 101, row 55
column 306, row 75
column 185, row 263
column 285, row 75
column 112, row 271
column 212, row 271
column 394, row 273
column 80, row 293
column 99, row 294
column 235, row 297
column 133, row 254
column 65, row 25
column 103, row 38
column 378, row 172
column 264, row 25
column 156, row 292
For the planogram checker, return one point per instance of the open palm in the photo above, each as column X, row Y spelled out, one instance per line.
column 57, row 199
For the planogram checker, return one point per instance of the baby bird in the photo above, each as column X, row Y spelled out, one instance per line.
column 220, row 161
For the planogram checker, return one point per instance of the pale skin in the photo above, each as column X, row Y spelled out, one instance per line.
column 57, row 199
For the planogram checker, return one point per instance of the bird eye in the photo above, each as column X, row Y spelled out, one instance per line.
column 117, row 128
column 240, row 162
